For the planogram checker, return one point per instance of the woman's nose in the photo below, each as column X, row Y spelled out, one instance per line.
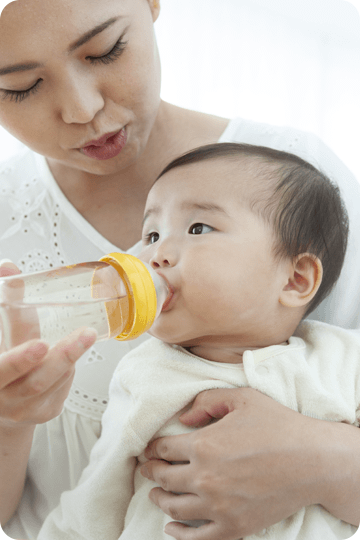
column 81, row 100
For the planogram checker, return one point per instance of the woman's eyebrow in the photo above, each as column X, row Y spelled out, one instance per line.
column 19, row 67
column 78, row 43
column 92, row 33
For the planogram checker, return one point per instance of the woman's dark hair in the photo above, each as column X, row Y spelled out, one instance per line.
column 302, row 204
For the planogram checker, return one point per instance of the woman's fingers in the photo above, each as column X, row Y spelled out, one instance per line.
column 50, row 403
column 171, row 448
column 179, row 531
column 165, row 475
column 208, row 405
column 186, row 507
column 19, row 361
column 57, row 364
column 37, row 380
column 249, row 470
column 8, row 268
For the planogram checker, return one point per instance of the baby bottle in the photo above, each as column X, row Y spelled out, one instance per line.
column 119, row 296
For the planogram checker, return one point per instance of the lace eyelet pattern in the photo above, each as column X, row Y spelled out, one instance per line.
column 80, row 401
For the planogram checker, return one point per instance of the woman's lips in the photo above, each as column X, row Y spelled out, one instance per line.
column 106, row 147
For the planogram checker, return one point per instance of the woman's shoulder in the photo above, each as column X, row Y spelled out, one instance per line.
column 306, row 145
column 193, row 128
column 286, row 138
column 208, row 128
column 279, row 137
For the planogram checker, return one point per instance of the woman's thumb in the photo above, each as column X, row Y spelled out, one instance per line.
column 8, row 268
column 208, row 405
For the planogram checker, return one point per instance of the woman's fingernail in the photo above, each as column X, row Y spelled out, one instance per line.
column 7, row 263
column 37, row 351
column 88, row 337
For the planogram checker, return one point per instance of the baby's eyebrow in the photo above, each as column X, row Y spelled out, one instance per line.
column 189, row 205
column 206, row 206
column 152, row 211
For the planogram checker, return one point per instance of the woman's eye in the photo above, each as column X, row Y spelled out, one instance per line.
column 200, row 228
column 20, row 95
column 152, row 237
column 111, row 56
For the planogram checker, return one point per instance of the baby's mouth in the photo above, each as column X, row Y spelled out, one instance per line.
column 170, row 296
column 168, row 299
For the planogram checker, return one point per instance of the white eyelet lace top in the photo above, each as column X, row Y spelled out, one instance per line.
column 40, row 229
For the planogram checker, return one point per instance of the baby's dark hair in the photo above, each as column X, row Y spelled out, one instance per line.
column 302, row 204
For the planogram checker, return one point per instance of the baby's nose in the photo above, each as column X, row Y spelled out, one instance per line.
column 159, row 262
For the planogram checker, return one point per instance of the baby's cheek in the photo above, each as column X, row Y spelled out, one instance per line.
column 207, row 303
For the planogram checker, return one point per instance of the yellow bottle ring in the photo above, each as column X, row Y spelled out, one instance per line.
column 141, row 293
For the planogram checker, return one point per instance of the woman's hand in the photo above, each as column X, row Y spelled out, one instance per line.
column 34, row 383
column 259, row 464
column 35, row 380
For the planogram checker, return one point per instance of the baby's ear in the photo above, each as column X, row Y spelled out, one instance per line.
column 304, row 281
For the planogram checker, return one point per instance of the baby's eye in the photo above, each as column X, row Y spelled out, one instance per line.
column 152, row 237
column 200, row 228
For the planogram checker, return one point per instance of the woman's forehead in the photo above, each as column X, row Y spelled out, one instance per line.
column 56, row 7
column 34, row 19
column 4, row 3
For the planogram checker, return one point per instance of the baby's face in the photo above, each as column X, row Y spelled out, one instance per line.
column 201, row 235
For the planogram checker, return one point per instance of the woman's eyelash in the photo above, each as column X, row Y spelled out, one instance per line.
column 111, row 56
column 20, row 95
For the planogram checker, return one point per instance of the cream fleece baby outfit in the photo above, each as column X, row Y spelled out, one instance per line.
column 317, row 374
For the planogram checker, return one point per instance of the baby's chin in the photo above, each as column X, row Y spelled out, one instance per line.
column 172, row 339
column 164, row 336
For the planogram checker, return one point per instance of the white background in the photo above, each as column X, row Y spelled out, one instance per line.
column 285, row 62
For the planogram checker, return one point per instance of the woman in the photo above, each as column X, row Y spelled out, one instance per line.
column 79, row 85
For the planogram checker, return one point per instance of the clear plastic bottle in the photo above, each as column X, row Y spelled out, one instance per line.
column 119, row 296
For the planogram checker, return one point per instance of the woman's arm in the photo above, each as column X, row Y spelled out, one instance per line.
column 15, row 445
column 259, row 464
column 34, row 382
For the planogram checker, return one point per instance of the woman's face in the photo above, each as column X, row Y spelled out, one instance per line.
column 76, row 71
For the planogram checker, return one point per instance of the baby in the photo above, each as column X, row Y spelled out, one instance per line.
column 250, row 241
